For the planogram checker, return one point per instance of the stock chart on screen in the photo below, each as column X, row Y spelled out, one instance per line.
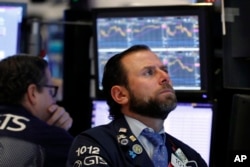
column 175, row 39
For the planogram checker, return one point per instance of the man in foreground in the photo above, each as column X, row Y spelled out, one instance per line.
column 140, row 96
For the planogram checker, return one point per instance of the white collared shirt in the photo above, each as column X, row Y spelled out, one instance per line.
column 136, row 128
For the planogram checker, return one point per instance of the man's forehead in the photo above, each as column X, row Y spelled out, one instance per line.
column 138, row 62
column 143, row 58
column 143, row 55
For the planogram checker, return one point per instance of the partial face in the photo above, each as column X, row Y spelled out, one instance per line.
column 150, row 89
column 44, row 100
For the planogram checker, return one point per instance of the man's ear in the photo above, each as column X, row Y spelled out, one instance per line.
column 31, row 93
column 119, row 94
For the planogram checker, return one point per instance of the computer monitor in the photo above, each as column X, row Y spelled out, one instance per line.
column 179, row 35
column 190, row 122
column 11, row 17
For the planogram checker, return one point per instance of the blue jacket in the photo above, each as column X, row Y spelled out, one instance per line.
column 17, row 124
column 114, row 145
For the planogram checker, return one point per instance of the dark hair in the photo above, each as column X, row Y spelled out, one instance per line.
column 17, row 72
column 115, row 74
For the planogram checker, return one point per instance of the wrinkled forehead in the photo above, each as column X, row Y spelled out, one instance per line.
column 141, row 59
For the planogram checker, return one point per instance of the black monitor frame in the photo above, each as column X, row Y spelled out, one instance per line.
column 205, row 47
column 239, row 136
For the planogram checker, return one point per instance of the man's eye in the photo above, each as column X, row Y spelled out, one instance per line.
column 149, row 72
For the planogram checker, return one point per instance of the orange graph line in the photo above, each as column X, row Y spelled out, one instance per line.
column 146, row 27
column 181, row 28
column 181, row 65
column 113, row 28
column 123, row 33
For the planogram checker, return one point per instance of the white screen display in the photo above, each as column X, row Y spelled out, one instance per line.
column 10, row 20
column 192, row 124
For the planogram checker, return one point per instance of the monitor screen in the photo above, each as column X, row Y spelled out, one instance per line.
column 11, row 17
column 189, row 122
column 54, row 54
column 179, row 35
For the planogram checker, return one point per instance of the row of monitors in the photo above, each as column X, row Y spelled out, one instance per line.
column 179, row 35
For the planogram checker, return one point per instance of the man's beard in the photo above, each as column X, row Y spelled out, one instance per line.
column 152, row 107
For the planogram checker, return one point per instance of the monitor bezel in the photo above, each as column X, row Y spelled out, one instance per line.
column 204, row 16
